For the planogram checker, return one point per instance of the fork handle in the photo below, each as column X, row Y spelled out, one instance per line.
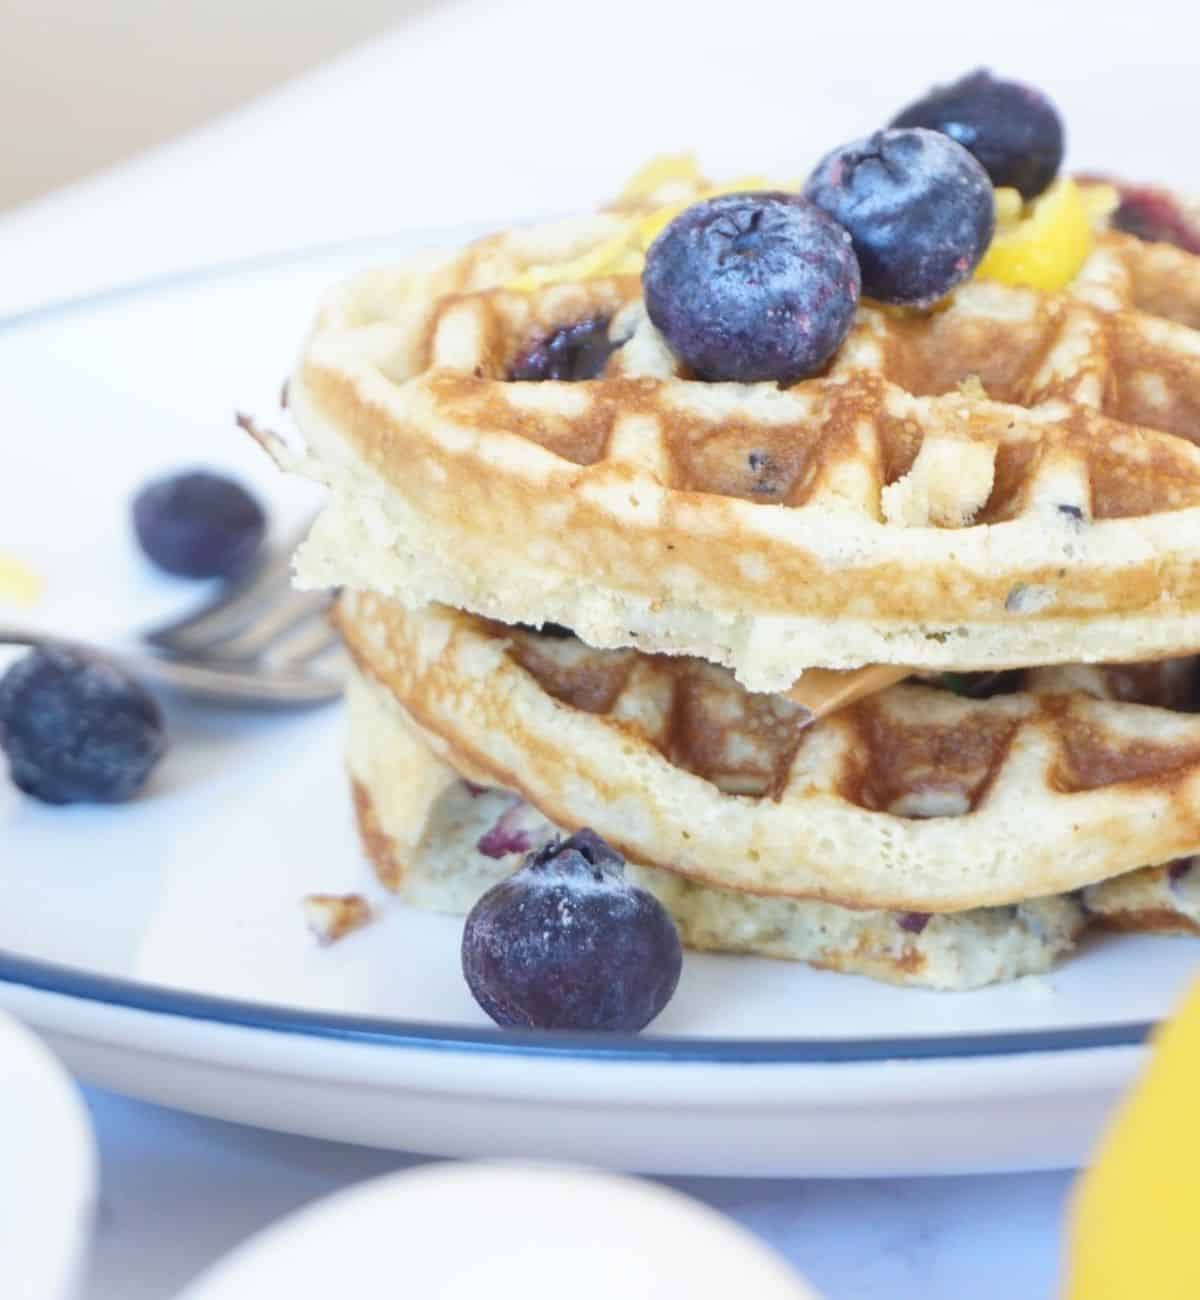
column 225, row 685
column 10, row 635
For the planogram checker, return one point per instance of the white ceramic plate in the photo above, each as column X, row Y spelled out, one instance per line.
column 462, row 1231
column 161, row 944
column 47, row 1171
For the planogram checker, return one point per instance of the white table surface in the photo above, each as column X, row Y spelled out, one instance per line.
column 178, row 1192
column 482, row 111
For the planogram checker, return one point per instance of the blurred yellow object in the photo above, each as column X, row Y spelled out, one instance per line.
column 1100, row 200
column 1134, row 1210
column 1010, row 206
column 660, row 171
column 616, row 256
column 1042, row 246
column 17, row 583
column 624, row 253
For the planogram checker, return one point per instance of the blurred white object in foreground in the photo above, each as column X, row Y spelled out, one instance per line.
column 47, row 1172
column 495, row 1231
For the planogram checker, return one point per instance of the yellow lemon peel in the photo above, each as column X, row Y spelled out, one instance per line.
column 1045, row 244
column 624, row 253
column 17, row 583
column 663, row 170
column 1038, row 245
column 596, row 263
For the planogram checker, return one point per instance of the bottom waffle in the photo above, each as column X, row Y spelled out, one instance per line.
column 915, row 799
column 440, row 837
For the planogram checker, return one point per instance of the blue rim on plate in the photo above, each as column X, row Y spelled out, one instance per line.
column 134, row 995
column 72, row 982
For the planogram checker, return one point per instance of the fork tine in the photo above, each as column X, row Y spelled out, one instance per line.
column 232, row 609
column 275, row 622
column 230, row 684
column 225, row 616
column 310, row 641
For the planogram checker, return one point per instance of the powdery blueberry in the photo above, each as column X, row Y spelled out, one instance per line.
column 752, row 287
column 77, row 729
column 566, row 942
column 918, row 207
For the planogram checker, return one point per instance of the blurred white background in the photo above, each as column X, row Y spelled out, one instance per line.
column 422, row 114
column 85, row 82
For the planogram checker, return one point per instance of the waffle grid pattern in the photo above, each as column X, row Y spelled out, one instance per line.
column 998, row 484
column 440, row 841
column 916, row 799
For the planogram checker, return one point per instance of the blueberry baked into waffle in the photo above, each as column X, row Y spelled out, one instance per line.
column 829, row 550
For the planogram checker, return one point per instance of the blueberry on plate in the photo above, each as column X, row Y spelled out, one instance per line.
column 1013, row 129
column 566, row 942
column 77, row 729
column 919, row 208
column 752, row 287
column 199, row 525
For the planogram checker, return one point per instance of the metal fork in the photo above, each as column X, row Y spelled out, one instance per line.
column 259, row 642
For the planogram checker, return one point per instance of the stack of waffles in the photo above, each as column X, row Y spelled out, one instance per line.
column 888, row 671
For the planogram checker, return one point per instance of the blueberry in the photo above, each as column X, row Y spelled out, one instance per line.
column 574, row 352
column 199, row 525
column 77, row 729
column 913, row 922
column 567, row 943
column 1156, row 216
column 918, row 207
column 506, row 836
column 752, row 287
column 1013, row 129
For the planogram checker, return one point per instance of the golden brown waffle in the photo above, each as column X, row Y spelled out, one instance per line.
column 439, row 841
column 993, row 484
column 912, row 800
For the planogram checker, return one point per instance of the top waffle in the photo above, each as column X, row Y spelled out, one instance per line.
column 995, row 484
